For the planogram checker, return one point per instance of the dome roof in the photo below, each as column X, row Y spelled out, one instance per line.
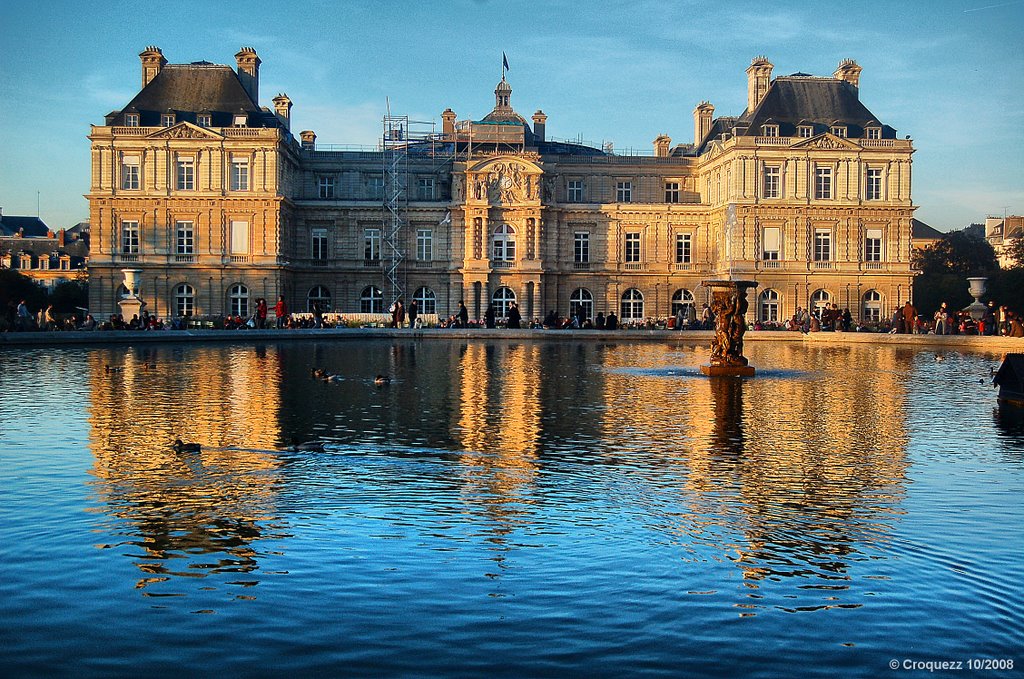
column 503, row 86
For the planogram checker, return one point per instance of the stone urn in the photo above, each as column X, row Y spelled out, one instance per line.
column 131, row 304
column 977, row 288
column 131, row 281
column 729, row 304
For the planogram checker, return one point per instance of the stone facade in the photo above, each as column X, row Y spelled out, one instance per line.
column 218, row 204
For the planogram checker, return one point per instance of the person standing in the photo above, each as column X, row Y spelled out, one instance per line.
column 414, row 312
column 489, row 317
column 909, row 318
column 942, row 320
column 514, row 317
column 611, row 321
column 462, row 315
column 261, row 313
column 281, row 312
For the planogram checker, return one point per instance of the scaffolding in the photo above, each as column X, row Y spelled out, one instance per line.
column 402, row 138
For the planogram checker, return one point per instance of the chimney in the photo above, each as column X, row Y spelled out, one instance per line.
column 152, row 61
column 448, row 122
column 759, row 75
column 661, row 144
column 249, row 72
column 283, row 110
column 539, row 124
column 60, row 238
column 702, row 117
column 308, row 138
column 848, row 71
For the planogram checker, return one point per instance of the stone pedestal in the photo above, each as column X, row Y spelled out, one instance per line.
column 729, row 304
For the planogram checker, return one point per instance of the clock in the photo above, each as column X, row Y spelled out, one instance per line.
column 506, row 182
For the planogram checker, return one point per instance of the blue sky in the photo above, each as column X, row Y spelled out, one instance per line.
column 948, row 73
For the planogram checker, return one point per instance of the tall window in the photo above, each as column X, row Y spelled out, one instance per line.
column 624, row 192
column 819, row 300
column 769, row 306
column 185, row 242
column 502, row 301
column 371, row 300
column 186, row 174
column 574, row 191
column 581, row 298
column 680, row 299
column 130, row 173
column 873, row 184
column 319, row 244
column 425, row 188
column 239, row 237
column 375, row 186
column 185, row 300
column 238, row 300
column 822, row 245
column 873, row 245
column 671, row 192
column 426, row 300
column 772, row 175
column 371, row 244
column 424, row 245
column 871, row 311
column 632, row 305
column 504, row 243
column 320, row 296
column 823, row 183
column 239, row 174
column 581, row 247
column 684, row 248
column 632, row 247
column 130, row 237
column 326, row 187
column 771, row 243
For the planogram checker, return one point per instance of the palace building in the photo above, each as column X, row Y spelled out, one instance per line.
column 215, row 202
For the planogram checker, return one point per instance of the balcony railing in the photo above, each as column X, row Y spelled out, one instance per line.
column 581, row 266
column 184, row 259
column 371, row 263
column 770, row 264
column 874, row 266
column 822, row 265
column 122, row 257
column 501, row 264
column 633, row 266
column 683, row 266
column 239, row 259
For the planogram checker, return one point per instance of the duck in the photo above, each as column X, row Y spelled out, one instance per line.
column 381, row 380
column 306, row 446
column 182, row 447
column 113, row 369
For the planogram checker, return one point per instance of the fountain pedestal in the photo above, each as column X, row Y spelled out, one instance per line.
column 729, row 304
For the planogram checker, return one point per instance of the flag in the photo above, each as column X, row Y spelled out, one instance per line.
column 504, row 61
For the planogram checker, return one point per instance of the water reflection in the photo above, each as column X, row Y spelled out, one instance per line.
column 798, row 476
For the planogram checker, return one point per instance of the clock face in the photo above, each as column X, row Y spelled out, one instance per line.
column 506, row 182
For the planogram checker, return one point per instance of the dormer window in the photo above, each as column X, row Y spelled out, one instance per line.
column 166, row 119
column 805, row 131
column 204, row 120
column 838, row 130
column 131, row 120
column 770, row 130
column 872, row 133
column 240, row 119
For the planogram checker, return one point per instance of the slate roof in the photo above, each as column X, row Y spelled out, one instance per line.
column 921, row 231
column 802, row 100
column 190, row 89
column 33, row 226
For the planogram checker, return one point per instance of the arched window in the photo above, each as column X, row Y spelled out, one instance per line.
column 426, row 300
column 632, row 305
column 819, row 300
column 371, row 300
column 238, row 300
column 871, row 309
column 681, row 298
column 320, row 296
column 185, row 299
column 504, row 243
column 502, row 300
column 768, row 306
column 582, row 298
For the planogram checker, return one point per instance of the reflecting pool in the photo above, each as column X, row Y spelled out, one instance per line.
column 505, row 508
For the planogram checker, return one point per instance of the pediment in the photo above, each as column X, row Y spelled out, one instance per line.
column 504, row 165
column 826, row 141
column 185, row 130
column 500, row 180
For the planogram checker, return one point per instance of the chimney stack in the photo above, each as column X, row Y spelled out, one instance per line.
column 848, row 71
column 759, row 76
column 539, row 124
column 308, row 138
column 283, row 110
column 152, row 62
column 61, row 238
column 661, row 144
column 448, row 123
column 249, row 72
column 702, row 117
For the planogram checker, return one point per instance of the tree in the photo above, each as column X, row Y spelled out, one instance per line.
column 15, row 286
column 69, row 295
column 1014, row 249
column 958, row 252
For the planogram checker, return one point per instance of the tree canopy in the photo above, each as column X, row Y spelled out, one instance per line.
column 1014, row 249
column 958, row 252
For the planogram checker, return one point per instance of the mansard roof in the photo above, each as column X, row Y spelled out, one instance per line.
column 11, row 225
column 800, row 99
column 190, row 89
column 922, row 231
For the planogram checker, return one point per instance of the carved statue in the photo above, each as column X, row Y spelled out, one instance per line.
column 457, row 189
column 729, row 307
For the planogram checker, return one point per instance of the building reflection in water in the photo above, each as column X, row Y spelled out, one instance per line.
column 792, row 474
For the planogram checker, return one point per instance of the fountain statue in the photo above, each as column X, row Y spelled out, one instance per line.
column 131, row 304
column 729, row 304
